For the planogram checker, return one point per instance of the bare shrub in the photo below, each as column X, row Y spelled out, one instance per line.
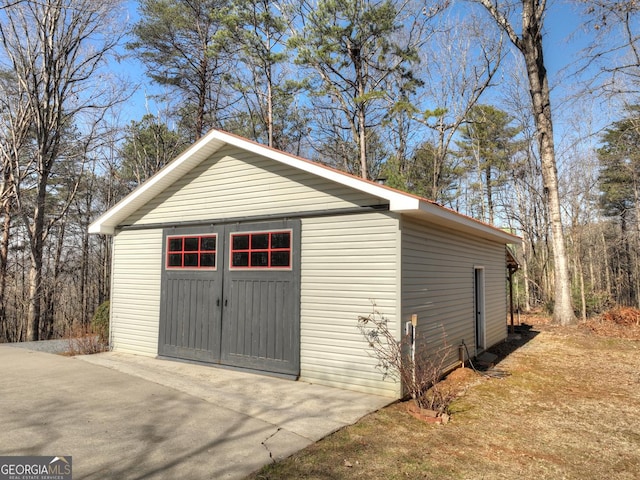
column 419, row 372
column 84, row 341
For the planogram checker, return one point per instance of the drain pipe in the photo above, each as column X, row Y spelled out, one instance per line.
column 410, row 330
column 461, row 349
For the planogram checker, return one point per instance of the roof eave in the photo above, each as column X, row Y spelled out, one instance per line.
column 399, row 202
column 97, row 228
column 190, row 158
column 448, row 218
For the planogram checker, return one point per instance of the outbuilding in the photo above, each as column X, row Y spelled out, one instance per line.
column 240, row 255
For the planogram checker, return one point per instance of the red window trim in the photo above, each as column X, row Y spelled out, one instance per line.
column 197, row 252
column 268, row 250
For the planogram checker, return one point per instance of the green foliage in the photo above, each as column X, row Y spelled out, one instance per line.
column 419, row 173
column 260, row 31
column 149, row 145
column 169, row 30
column 488, row 144
column 268, row 112
column 620, row 165
column 362, row 66
column 100, row 322
column 596, row 300
column 184, row 45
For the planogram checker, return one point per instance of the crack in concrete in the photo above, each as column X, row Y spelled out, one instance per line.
column 264, row 444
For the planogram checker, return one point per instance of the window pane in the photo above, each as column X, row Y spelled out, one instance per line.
column 260, row 241
column 259, row 259
column 191, row 244
column 279, row 259
column 175, row 244
column 208, row 244
column 240, row 259
column 240, row 242
column 207, row 259
column 175, row 260
column 281, row 240
column 190, row 259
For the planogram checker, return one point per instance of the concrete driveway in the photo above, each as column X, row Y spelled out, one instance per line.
column 130, row 417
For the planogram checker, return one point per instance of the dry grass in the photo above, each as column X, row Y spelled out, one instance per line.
column 569, row 408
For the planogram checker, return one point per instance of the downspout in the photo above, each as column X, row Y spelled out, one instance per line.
column 111, row 273
column 511, row 271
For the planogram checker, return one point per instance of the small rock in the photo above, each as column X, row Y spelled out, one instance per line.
column 445, row 418
column 347, row 463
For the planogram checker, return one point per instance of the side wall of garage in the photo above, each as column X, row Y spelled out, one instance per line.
column 438, row 268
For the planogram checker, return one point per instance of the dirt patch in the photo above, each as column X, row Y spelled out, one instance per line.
column 460, row 380
column 568, row 408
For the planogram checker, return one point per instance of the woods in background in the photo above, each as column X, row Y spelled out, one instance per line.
column 427, row 95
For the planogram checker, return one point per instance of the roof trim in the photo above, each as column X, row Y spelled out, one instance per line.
column 400, row 202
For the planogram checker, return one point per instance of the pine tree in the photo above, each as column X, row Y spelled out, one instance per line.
column 487, row 145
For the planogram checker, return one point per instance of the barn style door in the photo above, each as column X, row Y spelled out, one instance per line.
column 261, row 320
column 231, row 295
column 190, row 313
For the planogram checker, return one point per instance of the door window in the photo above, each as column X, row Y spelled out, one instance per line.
column 261, row 250
column 191, row 252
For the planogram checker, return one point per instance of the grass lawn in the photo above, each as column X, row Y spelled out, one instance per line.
column 568, row 408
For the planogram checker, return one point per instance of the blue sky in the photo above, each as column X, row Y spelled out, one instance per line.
column 564, row 39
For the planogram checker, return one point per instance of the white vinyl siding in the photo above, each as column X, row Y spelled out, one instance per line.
column 438, row 285
column 235, row 183
column 135, row 291
column 347, row 262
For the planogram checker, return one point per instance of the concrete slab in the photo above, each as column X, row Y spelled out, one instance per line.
column 131, row 417
column 486, row 360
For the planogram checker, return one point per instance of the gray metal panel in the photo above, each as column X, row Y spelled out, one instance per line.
column 190, row 308
column 261, row 319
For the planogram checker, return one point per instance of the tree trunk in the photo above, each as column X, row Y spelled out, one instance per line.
column 533, row 53
column 356, row 58
column 530, row 45
column 84, row 279
column 583, row 297
column 51, row 297
column 36, row 241
column 4, row 254
column 438, row 162
column 269, row 108
column 34, row 308
column 525, row 274
column 607, row 271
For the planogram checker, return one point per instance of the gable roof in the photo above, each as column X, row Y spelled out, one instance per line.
column 400, row 202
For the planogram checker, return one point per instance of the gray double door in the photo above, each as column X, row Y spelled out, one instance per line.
column 243, row 317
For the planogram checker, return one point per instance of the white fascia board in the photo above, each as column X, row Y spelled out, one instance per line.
column 212, row 142
column 397, row 200
column 189, row 159
column 446, row 217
